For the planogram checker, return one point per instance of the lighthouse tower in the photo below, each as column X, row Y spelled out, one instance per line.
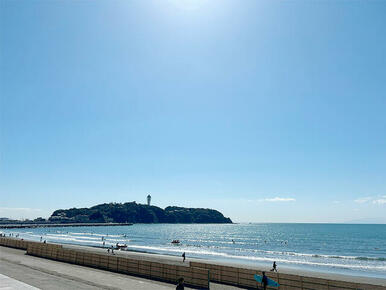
column 148, row 199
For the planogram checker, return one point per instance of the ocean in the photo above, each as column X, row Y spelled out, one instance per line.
column 349, row 249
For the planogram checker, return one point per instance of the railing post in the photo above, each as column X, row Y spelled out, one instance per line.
column 208, row 279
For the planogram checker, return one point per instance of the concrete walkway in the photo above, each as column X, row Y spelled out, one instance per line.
column 20, row 270
column 48, row 274
column 9, row 283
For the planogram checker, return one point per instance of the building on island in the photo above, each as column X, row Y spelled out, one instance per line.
column 148, row 199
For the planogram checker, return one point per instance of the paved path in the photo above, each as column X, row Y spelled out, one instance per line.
column 48, row 274
column 9, row 283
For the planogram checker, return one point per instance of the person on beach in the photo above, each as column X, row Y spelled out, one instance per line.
column 274, row 266
column 183, row 257
column 264, row 281
column 180, row 285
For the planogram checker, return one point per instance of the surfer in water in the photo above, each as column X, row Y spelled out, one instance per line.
column 264, row 281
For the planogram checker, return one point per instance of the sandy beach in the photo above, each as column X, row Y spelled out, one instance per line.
column 173, row 260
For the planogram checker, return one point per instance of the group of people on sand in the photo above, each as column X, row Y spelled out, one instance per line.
column 112, row 250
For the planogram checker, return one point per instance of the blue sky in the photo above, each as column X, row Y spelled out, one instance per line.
column 268, row 111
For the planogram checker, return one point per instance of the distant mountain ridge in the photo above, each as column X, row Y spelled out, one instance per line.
column 131, row 212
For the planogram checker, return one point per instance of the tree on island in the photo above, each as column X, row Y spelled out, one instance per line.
column 131, row 212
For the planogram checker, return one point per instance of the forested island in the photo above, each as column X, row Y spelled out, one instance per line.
column 131, row 212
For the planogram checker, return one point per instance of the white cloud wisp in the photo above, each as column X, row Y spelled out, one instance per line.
column 280, row 199
column 378, row 200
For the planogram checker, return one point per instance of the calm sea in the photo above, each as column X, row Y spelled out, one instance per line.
column 337, row 248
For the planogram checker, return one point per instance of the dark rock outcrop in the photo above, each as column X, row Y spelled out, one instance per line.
column 132, row 212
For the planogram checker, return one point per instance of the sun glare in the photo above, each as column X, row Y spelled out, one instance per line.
column 188, row 4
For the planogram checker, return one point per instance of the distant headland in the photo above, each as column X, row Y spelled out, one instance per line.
column 131, row 212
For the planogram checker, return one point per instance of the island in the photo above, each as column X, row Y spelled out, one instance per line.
column 131, row 212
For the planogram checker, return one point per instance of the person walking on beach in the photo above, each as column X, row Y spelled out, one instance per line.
column 180, row 285
column 183, row 257
column 274, row 266
column 264, row 281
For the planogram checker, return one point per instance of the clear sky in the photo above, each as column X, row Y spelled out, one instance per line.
column 269, row 111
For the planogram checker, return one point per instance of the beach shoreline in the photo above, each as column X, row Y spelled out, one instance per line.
column 215, row 258
column 261, row 266
column 282, row 270
column 173, row 261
